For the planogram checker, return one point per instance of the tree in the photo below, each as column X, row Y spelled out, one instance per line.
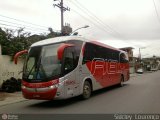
column 4, row 41
column 52, row 33
column 13, row 41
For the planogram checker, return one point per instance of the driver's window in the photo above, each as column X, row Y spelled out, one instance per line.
column 68, row 60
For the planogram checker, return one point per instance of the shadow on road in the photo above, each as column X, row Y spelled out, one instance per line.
column 74, row 100
column 108, row 89
column 56, row 103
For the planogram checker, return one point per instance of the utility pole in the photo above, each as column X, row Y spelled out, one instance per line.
column 63, row 9
column 140, row 56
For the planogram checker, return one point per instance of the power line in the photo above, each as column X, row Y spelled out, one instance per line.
column 23, row 21
column 85, row 12
column 9, row 25
column 34, row 32
column 104, row 24
column 84, row 17
column 23, row 25
column 156, row 11
column 103, row 29
column 19, row 27
column 97, row 20
column 101, row 22
column 31, row 32
column 38, row 27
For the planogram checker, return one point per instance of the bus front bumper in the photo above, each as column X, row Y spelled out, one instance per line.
column 47, row 93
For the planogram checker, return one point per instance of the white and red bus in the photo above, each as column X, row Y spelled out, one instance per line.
column 64, row 67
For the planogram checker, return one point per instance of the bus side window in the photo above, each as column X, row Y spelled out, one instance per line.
column 88, row 53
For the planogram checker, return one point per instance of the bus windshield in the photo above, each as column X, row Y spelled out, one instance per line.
column 42, row 63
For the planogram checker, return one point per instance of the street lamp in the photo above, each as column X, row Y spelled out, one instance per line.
column 86, row 26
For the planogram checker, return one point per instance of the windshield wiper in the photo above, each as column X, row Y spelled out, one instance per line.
column 31, row 70
column 40, row 68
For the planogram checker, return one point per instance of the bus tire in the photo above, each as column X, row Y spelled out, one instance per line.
column 121, row 84
column 86, row 90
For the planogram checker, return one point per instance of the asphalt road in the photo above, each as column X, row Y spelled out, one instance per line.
column 139, row 95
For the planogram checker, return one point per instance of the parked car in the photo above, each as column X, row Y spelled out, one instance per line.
column 154, row 69
column 140, row 71
column 148, row 68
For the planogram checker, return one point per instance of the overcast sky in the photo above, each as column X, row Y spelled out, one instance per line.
column 120, row 23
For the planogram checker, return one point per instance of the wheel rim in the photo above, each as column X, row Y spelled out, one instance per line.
column 86, row 91
column 122, row 81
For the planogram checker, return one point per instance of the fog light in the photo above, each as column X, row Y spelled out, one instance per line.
column 58, row 93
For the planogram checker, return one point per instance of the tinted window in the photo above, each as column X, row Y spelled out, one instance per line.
column 89, row 53
column 123, row 58
column 68, row 60
column 78, row 46
column 92, row 51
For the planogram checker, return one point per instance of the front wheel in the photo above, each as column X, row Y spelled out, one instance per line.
column 121, row 84
column 86, row 90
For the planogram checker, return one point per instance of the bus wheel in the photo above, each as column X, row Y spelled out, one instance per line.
column 86, row 90
column 122, row 81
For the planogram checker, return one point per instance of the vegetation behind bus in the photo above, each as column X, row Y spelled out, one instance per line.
column 13, row 41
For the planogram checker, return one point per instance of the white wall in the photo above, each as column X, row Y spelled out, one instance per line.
column 0, row 50
column 8, row 69
column 132, row 70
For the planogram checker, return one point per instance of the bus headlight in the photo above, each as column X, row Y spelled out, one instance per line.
column 23, row 87
column 53, row 86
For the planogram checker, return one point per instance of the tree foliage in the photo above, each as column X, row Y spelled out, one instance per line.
column 14, row 41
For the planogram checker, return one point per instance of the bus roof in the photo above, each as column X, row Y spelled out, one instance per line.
column 66, row 38
column 58, row 39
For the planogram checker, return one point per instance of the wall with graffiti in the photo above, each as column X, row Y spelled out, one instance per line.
column 8, row 69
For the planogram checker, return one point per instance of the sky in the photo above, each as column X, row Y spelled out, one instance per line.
column 119, row 23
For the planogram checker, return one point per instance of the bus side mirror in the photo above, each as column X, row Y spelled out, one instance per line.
column 61, row 49
column 18, row 54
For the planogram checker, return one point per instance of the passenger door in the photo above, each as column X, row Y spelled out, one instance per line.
column 69, row 70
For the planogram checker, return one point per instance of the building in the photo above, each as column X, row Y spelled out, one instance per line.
column 66, row 29
column 129, row 51
column 133, row 61
column 152, row 63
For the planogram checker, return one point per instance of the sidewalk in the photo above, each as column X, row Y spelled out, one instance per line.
column 133, row 75
column 9, row 98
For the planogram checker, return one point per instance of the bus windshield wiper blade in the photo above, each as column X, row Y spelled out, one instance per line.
column 31, row 70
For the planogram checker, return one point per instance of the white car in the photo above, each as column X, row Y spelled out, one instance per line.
column 140, row 70
column 154, row 69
